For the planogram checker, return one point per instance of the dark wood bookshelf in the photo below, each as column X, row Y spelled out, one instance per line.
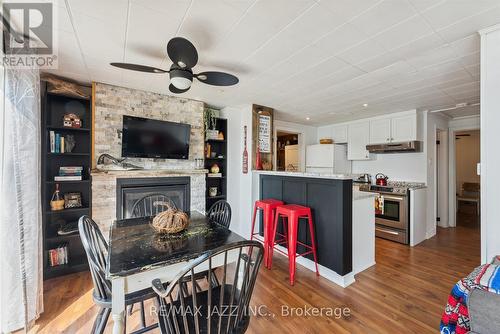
column 220, row 147
column 54, row 107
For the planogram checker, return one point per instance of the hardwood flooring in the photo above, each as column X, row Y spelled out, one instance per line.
column 405, row 292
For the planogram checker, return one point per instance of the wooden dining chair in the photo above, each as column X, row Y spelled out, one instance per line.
column 212, row 309
column 220, row 212
column 151, row 205
column 96, row 248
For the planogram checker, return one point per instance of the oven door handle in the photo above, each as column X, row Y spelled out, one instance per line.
column 394, row 198
column 387, row 231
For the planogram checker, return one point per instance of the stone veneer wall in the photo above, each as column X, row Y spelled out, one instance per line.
column 104, row 192
column 111, row 103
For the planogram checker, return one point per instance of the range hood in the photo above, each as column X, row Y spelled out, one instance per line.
column 402, row 147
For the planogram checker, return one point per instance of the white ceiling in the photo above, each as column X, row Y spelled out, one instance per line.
column 321, row 59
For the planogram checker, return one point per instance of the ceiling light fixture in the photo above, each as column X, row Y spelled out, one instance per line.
column 180, row 78
column 365, row 105
column 308, row 118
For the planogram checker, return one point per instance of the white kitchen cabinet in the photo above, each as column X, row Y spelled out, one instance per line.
column 404, row 128
column 358, row 136
column 339, row 134
column 393, row 129
column 380, row 131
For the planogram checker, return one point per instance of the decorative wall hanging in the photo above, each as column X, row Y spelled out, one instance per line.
column 245, row 153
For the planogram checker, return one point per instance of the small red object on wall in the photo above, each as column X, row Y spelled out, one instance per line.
column 245, row 153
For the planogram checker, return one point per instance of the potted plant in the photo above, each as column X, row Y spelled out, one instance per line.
column 211, row 116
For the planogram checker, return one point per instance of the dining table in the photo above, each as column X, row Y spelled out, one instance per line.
column 138, row 254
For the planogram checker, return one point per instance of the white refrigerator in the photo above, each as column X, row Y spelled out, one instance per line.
column 327, row 159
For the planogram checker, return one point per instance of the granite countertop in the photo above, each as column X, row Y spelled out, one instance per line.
column 304, row 174
column 147, row 172
column 134, row 246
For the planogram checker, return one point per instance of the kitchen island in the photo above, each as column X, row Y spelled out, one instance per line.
column 343, row 219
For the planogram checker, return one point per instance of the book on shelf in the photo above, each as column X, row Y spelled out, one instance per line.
column 52, row 137
column 214, row 175
column 59, row 255
column 58, row 144
column 70, row 171
column 68, row 178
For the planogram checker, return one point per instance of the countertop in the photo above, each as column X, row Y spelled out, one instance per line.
column 310, row 175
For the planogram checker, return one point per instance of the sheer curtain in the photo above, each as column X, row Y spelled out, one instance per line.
column 21, row 256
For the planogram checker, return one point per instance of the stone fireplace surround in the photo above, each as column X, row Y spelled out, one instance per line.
column 111, row 103
column 104, row 190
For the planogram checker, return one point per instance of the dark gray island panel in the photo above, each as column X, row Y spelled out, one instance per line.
column 331, row 203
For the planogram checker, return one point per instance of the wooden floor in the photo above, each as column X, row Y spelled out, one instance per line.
column 404, row 292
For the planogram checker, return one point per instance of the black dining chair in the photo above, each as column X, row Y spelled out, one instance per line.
column 220, row 212
column 96, row 248
column 212, row 309
column 151, row 205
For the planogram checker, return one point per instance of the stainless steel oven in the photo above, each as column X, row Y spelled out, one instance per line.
column 393, row 224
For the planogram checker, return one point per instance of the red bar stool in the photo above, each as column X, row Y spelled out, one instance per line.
column 292, row 213
column 268, row 207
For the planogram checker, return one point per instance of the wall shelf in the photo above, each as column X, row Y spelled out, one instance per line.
column 220, row 147
column 54, row 107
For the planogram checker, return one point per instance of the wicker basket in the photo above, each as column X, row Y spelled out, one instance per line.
column 326, row 141
column 170, row 221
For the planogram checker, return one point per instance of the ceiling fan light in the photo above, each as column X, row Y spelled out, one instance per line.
column 181, row 79
column 180, row 82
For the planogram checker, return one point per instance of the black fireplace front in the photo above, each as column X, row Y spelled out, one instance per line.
column 131, row 190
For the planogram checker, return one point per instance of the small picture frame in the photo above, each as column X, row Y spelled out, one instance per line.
column 72, row 200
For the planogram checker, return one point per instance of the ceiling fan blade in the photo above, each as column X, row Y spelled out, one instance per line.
column 176, row 90
column 217, row 78
column 182, row 52
column 140, row 68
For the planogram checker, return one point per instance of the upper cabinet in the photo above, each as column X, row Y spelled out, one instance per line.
column 393, row 129
column 358, row 136
column 339, row 134
column 404, row 128
column 380, row 131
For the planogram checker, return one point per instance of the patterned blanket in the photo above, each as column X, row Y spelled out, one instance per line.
column 455, row 319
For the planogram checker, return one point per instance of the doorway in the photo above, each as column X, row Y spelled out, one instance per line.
column 467, row 180
column 287, row 151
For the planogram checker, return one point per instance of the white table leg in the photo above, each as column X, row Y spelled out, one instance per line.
column 118, row 305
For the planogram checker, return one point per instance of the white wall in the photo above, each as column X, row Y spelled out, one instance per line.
column 239, row 185
column 397, row 166
column 467, row 157
column 490, row 137
column 433, row 122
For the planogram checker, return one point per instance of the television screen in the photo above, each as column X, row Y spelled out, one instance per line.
column 149, row 138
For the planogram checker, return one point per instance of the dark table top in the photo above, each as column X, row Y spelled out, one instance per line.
column 134, row 246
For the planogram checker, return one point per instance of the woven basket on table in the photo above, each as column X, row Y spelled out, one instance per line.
column 170, row 220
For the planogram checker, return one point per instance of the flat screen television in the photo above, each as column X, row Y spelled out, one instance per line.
column 149, row 138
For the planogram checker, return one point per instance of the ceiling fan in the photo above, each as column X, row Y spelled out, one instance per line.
column 184, row 57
